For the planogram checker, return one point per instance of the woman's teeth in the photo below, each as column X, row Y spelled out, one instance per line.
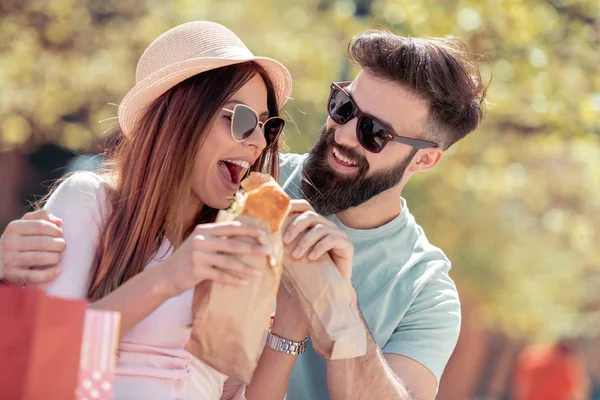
column 342, row 158
column 241, row 163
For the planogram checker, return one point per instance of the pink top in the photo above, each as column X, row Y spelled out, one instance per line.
column 152, row 362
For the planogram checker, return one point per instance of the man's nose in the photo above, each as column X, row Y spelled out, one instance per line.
column 345, row 135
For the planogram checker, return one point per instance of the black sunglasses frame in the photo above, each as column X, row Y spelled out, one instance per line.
column 260, row 124
column 358, row 113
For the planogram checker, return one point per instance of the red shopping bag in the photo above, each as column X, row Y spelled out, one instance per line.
column 40, row 344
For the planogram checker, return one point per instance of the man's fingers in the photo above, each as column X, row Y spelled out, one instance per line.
column 304, row 222
column 339, row 244
column 29, row 258
column 35, row 243
column 33, row 228
column 42, row 215
column 300, row 206
column 31, row 276
column 318, row 233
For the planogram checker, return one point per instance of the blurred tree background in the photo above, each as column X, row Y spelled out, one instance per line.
column 516, row 206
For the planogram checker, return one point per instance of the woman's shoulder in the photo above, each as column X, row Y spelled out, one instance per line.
column 81, row 192
column 84, row 184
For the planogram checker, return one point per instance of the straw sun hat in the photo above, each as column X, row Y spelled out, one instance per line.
column 185, row 51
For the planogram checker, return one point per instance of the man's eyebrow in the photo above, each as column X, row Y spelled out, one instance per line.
column 386, row 125
column 233, row 101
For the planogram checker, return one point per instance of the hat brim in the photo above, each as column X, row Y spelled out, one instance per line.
column 156, row 84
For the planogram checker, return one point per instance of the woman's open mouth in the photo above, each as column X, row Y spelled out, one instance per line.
column 233, row 171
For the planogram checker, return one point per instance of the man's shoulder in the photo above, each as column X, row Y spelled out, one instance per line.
column 290, row 161
column 290, row 166
column 401, row 262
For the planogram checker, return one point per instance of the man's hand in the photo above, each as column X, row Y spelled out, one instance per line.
column 319, row 236
column 36, row 240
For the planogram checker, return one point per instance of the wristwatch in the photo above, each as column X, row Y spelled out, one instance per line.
column 285, row 346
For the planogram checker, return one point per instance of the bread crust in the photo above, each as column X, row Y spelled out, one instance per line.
column 265, row 200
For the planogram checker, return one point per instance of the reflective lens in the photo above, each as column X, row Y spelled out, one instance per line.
column 371, row 135
column 244, row 122
column 341, row 108
column 272, row 128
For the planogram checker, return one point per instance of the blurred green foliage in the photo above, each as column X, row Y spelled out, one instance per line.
column 516, row 205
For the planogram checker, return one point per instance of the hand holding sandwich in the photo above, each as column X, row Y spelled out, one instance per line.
column 319, row 236
column 207, row 254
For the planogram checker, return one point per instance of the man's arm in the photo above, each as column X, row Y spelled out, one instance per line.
column 318, row 236
column 379, row 377
column 414, row 356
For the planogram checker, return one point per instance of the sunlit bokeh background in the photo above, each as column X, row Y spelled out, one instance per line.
column 516, row 205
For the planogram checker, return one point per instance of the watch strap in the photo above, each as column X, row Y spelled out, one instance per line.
column 285, row 346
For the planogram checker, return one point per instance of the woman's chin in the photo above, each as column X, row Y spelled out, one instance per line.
column 220, row 203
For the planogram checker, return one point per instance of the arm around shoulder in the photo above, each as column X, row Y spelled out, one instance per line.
column 79, row 202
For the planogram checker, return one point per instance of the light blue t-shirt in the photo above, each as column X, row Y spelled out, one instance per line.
column 405, row 294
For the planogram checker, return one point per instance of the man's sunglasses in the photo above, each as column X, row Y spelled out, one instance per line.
column 244, row 121
column 371, row 133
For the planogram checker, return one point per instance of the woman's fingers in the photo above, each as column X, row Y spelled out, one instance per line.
column 224, row 277
column 229, row 263
column 228, row 245
column 229, row 229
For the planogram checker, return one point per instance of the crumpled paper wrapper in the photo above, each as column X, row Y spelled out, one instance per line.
column 230, row 323
column 328, row 303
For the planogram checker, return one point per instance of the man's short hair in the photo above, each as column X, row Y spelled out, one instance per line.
column 441, row 71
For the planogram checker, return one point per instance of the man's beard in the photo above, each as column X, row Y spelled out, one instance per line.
column 330, row 192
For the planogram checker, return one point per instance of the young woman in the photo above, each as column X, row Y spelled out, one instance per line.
column 141, row 234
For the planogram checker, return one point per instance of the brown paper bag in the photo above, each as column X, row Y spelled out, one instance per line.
column 328, row 303
column 230, row 323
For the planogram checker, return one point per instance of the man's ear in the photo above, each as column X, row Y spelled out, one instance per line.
column 426, row 159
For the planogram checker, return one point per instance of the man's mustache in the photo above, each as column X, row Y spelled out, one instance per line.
column 346, row 151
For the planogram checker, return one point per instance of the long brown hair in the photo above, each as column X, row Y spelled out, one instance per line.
column 149, row 174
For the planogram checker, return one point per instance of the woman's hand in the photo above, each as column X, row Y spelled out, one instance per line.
column 209, row 254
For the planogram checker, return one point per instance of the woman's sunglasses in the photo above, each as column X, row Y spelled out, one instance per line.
column 244, row 121
column 372, row 134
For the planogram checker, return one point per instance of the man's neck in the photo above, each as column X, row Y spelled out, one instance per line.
column 374, row 213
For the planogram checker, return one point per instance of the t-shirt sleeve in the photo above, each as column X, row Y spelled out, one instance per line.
column 78, row 201
column 291, row 173
column 429, row 330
